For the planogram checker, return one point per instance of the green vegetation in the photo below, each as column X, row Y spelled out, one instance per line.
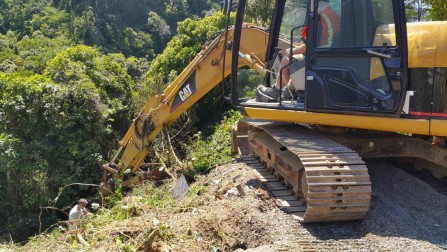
column 73, row 73
column 438, row 10
column 422, row 10
column 57, row 127
column 192, row 35
column 123, row 226
column 199, row 151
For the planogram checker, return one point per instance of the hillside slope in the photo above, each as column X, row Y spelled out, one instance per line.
column 406, row 215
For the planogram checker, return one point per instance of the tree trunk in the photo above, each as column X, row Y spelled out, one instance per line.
column 11, row 191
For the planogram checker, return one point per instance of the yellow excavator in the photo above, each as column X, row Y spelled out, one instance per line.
column 368, row 85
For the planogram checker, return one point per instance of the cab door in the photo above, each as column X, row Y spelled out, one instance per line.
column 356, row 59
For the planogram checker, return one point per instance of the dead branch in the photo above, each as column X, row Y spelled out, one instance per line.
column 181, row 129
column 172, row 150
column 147, row 245
column 81, row 239
column 161, row 160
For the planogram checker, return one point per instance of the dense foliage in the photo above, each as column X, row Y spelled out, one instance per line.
column 58, row 127
column 199, row 154
column 71, row 79
column 132, row 27
column 438, row 10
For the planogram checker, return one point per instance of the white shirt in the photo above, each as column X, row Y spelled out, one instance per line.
column 76, row 212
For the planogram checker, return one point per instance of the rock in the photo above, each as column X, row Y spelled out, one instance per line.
column 232, row 193
column 155, row 222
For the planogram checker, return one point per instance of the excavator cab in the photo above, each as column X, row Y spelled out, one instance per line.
column 355, row 59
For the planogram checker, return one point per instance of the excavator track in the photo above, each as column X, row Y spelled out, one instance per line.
column 328, row 181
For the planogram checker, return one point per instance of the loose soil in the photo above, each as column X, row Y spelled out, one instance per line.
column 406, row 215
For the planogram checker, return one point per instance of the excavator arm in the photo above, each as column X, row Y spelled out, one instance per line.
column 197, row 79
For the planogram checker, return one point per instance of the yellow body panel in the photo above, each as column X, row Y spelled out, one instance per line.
column 441, row 48
column 413, row 126
column 438, row 127
column 422, row 44
column 427, row 45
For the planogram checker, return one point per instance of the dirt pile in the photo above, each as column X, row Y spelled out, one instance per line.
column 406, row 214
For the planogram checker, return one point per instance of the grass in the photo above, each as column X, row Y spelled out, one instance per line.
column 124, row 223
column 123, row 227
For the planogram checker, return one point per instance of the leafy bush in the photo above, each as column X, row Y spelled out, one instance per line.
column 215, row 150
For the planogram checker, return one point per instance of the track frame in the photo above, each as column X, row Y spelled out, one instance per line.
column 330, row 180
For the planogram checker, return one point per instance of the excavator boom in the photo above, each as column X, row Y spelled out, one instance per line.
column 197, row 79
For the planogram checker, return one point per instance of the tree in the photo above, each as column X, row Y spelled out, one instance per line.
column 260, row 11
column 157, row 26
column 200, row 7
column 438, row 10
column 52, row 135
column 8, row 52
column 416, row 10
column 51, row 22
column 192, row 35
column 175, row 11
column 36, row 50
column 16, row 15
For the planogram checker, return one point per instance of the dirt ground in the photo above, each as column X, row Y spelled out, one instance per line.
column 406, row 215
